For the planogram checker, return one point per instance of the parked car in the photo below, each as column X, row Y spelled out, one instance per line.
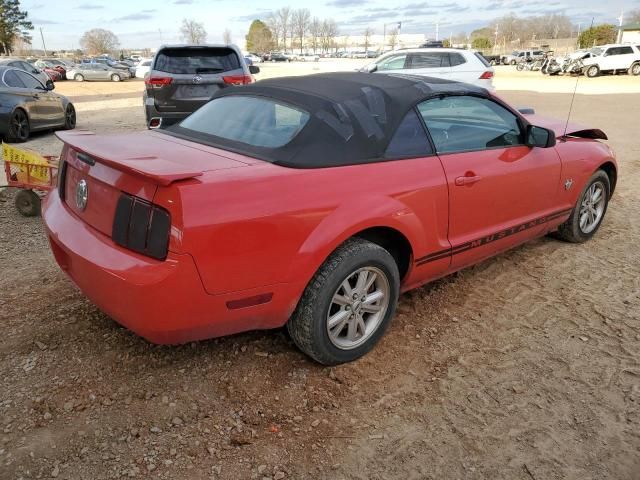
column 309, row 57
column 185, row 77
column 612, row 59
column 523, row 56
column 27, row 67
column 124, row 68
column 359, row 54
column 448, row 63
column 432, row 44
column 45, row 64
column 254, row 58
column 96, row 72
column 53, row 74
column 278, row 57
column 143, row 68
column 313, row 202
column 28, row 105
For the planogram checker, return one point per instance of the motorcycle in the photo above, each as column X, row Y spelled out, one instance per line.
column 533, row 66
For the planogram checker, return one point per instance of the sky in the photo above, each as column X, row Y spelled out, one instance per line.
column 149, row 23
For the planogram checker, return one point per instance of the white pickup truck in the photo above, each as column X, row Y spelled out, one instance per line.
column 613, row 58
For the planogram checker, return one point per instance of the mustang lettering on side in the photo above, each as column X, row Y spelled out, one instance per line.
column 313, row 202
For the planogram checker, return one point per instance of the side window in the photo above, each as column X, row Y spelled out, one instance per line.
column 393, row 63
column 456, row 59
column 468, row 123
column 12, row 80
column 27, row 67
column 429, row 60
column 410, row 139
column 625, row 50
column 29, row 81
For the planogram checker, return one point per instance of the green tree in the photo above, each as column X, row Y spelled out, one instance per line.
column 446, row 43
column 480, row 43
column 260, row 38
column 13, row 24
column 598, row 35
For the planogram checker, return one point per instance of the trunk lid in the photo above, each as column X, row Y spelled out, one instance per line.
column 103, row 167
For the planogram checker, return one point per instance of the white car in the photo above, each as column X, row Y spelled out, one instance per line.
column 143, row 68
column 253, row 58
column 448, row 63
column 613, row 58
column 309, row 57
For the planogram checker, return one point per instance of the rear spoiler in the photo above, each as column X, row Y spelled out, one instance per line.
column 161, row 171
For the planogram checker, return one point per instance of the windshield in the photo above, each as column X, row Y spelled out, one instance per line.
column 596, row 51
column 255, row 121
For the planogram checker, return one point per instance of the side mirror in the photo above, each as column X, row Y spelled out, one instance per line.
column 540, row 137
column 35, row 70
column 372, row 67
column 50, row 85
column 253, row 69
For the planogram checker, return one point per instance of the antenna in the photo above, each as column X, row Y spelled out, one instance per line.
column 575, row 89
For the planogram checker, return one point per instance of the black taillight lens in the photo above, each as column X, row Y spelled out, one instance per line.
column 141, row 226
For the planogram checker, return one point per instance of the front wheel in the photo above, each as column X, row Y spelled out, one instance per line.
column 635, row 69
column 78, row 78
column 348, row 304
column 115, row 78
column 18, row 127
column 520, row 67
column 589, row 210
column 593, row 71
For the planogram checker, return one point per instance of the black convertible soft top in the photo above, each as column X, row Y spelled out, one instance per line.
column 352, row 115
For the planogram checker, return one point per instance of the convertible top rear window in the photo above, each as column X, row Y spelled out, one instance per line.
column 255, row 121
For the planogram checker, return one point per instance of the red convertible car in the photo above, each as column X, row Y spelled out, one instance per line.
column 314, row 202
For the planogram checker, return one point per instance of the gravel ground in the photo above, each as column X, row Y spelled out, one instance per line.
column 526, row 366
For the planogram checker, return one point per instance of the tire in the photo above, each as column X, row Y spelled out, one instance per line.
column 78, row 77
column 70, row 117
column 28, row 203
column 115, row 77
column 635, row 69
column 513, row 62
column 19, row 128
column 309, row 324
column 520, row 67
column 572, row 230
column 592, row 71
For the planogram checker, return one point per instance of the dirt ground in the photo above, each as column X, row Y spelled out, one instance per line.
column 526, row 366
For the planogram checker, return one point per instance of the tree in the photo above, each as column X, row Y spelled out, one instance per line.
column 300, row 24
column 329, row 34
column 98, row 40
column 226, row 36
column 367, row 37
column 598, row 35
column 284, row 17
column 393, row 39
column 315, row 32
column 480, row 43
column 14, row 25
column 193, row 32
column 446, row 43
column 633, row 16
column 273, row 21
column 259, row 39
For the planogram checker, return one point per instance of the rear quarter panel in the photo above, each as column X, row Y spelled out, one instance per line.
column 265, row 224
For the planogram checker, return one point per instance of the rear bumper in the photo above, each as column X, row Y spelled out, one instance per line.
column 162, row 301
column 168, row 118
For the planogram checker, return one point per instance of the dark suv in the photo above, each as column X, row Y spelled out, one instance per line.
column 184, row 77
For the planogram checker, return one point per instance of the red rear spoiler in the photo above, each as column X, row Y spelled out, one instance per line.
column 162, row 171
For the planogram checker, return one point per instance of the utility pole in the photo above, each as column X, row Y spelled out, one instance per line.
column 44, row 47
column 437, row 30
column 620, row 21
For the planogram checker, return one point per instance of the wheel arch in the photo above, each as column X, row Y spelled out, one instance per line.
column 612, row 172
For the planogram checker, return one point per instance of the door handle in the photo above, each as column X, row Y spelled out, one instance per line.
column 467, row 180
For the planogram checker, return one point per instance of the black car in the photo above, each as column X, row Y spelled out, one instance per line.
column 27, row 105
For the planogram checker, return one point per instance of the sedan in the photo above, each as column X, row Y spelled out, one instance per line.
column 27, row 105
column 96, row 72
column 314, row 202
column 27, row 67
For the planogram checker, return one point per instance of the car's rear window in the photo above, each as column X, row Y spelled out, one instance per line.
column 196, row 60
column 255, row 121
column 482, row 59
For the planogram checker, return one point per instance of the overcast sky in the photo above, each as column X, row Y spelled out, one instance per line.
column 148, row 23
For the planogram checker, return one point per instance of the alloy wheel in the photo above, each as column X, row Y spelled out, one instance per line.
column 20, row 125
column 70, row 117
column 358, row 307
column 592, row 207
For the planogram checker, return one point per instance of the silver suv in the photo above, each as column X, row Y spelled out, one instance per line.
column 182, row 78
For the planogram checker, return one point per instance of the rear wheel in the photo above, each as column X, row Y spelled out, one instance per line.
column 18, row 127
column 28, row 203
column 348, row 304
column 520, row 67
column 70, row 117
column 115, row 77
column 589, row 210
column 78, row 77
column 635, row 69
column 593, row 71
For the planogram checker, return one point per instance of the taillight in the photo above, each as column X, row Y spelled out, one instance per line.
column 141, row 226
column 238, row 79
column 488, row 75
column 157, row 82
